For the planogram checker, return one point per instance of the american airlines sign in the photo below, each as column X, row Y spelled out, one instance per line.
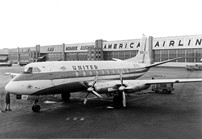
column 121, row 45
column 181, row 42
column 178, row 42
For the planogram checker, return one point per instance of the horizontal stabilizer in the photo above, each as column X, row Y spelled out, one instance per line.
column 115, row 59
column 163, row 62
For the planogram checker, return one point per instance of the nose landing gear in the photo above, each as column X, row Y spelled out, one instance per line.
column 36, row 107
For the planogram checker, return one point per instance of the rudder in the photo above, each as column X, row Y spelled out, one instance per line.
column 144, row 54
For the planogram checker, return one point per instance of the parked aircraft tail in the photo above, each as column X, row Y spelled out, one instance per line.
column 144, row 54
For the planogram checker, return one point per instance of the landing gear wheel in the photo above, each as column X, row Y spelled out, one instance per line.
column 118, row 101
column 36, row 108
column 165, row 91
column 65, row 97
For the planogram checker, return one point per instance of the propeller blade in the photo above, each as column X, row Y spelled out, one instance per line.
column 85, row 100
column 124, row 99
column 87, row 95
column 121, row 78
column 96, row 94
column 95, row 80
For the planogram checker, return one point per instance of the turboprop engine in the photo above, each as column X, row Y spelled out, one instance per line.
column 131, row 87
column 136, row 86
column 107, row 87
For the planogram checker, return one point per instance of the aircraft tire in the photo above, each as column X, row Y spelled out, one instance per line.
column 169, row 92
column 65, row 97
column 36, row 108
column 117, row 100
column 165, row 91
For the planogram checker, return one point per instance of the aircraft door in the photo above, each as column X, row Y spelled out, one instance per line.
column 57, row 75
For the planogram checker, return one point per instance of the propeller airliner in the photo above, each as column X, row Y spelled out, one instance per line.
column 117, row 78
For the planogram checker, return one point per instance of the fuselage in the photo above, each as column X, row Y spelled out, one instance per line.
column 55, row 77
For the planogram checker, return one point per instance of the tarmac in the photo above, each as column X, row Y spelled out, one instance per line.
column 148, row 114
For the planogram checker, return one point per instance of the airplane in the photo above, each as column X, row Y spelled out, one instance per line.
column 115, row 78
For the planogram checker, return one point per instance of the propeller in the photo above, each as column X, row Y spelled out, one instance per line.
column 122, row 89
column 91, row 89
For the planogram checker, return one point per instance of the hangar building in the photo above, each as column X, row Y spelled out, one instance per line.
column 163, row 48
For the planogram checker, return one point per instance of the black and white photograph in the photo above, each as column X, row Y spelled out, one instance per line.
column 101, row 69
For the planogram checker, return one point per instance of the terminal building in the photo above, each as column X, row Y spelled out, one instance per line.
column 163, row 48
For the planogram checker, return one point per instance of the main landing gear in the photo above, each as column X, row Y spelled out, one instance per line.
column 120, row 97
column 119, row 100
column 65, row 97
column 36, row 107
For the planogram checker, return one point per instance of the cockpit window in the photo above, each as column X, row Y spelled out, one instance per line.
column 31, row 70
column 28, row 70
column 36, row 70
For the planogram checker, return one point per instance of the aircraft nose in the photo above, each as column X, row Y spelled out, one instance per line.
column 10, row 87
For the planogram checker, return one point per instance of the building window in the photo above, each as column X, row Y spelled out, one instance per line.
column 121, row 55
column 134, row 53
column 157, row 55
column 127, row 54
column 181, row 53
column 164, row 55
column 190, row 55
column 172, row 54
column 198, row 55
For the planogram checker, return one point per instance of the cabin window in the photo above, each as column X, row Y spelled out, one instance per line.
column 103, row 73
column 106, row 71
column 100, row 72
column 125, row 70
column 84, row 73
column 111, row 71
column 91, row 73
column 116, row 71
column 77, row 74
column 120, row 71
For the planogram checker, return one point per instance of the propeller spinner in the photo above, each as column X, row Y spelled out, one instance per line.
column 91, row 89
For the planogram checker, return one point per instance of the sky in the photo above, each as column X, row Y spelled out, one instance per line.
column 26, row 23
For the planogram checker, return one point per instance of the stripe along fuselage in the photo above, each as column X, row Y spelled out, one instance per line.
column 60, row 76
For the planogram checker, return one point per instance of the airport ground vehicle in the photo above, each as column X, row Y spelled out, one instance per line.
column 6, row 64
column 165, row 88
column 193, row 67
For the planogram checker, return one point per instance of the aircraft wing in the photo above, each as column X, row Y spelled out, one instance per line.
column 142, row 84
column 136, row 85
column 159, row 81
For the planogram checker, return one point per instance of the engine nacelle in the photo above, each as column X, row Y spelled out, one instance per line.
column 113, row 86
column 106, row 90
column 106, row 87
column 139, row 87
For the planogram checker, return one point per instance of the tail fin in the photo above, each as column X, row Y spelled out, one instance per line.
column 144, row 53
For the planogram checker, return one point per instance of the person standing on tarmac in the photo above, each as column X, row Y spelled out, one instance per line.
column 7, row 107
